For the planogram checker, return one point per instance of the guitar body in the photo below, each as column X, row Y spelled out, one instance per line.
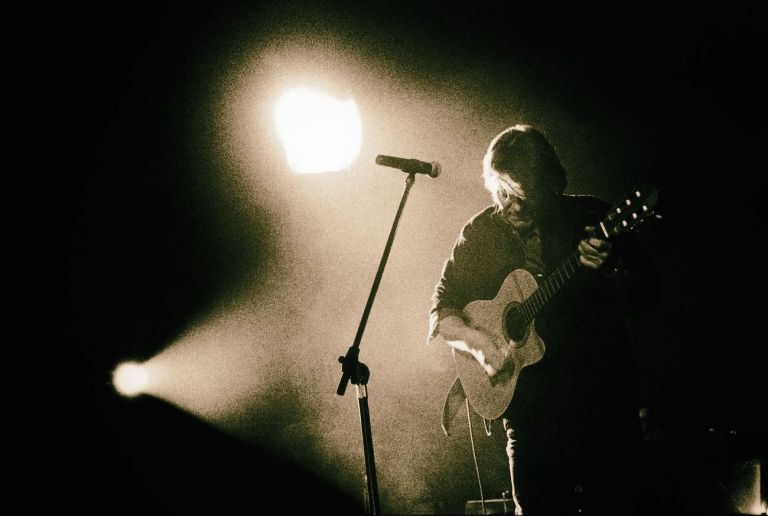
column 490, row 399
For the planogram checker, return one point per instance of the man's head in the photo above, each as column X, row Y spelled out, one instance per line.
column 522, row 172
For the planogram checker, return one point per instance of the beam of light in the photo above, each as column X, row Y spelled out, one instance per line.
column 130, row 379
column 220, row 367
column 319, row 133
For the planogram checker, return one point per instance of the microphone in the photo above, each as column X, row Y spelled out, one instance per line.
column 410, row 166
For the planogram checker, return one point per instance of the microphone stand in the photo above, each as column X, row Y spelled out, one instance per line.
column 358, row 373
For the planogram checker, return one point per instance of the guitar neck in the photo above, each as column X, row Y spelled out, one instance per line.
column 625, row 217
column 551, row 285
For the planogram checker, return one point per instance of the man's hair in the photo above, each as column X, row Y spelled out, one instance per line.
column 522, row 153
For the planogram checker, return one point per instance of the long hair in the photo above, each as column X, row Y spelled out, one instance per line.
column 522, row 154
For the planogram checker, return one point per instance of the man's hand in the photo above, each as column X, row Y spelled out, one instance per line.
column 488, row 353
column 593, row 251
column 478, row 343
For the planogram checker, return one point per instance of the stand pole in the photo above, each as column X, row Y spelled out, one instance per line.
column 358, row 373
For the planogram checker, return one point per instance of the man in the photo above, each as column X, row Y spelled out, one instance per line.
column 572, row 422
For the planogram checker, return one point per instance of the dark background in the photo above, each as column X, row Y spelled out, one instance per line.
column 685, row 80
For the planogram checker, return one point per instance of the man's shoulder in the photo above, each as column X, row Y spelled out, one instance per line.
column 483, row 220
column 481, row 226
column 483, row 216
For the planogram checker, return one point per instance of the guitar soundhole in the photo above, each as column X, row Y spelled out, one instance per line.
column 515, row 326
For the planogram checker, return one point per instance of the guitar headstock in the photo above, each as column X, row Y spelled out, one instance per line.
column 633, row 211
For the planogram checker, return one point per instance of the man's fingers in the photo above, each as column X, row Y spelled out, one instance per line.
column 591, row 262
column 491, row 362
column 593, row 252
column 594, row 244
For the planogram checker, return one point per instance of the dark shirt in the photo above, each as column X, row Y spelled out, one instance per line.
column 585, row 380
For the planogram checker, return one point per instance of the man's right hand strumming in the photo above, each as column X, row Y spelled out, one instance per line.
column 478, row 343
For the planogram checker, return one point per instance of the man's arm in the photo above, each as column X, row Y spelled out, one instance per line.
column 461, row 275
column 474, row 341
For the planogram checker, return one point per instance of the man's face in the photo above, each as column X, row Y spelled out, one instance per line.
column 519, row 204
column 516, row 211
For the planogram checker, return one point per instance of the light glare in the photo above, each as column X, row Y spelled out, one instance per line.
column 130, row 379
column 319, row 133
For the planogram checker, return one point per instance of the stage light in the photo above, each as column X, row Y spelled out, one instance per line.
column 130, row 379
column 319, row 133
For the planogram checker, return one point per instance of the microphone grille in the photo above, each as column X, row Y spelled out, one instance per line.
column 435, row 169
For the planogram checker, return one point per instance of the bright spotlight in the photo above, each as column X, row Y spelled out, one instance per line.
column 130, row 378
column 319, row 133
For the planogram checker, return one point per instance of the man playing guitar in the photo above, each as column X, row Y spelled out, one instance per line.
column 557, row 368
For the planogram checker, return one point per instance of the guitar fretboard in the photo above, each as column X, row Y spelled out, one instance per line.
column 551, row 285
